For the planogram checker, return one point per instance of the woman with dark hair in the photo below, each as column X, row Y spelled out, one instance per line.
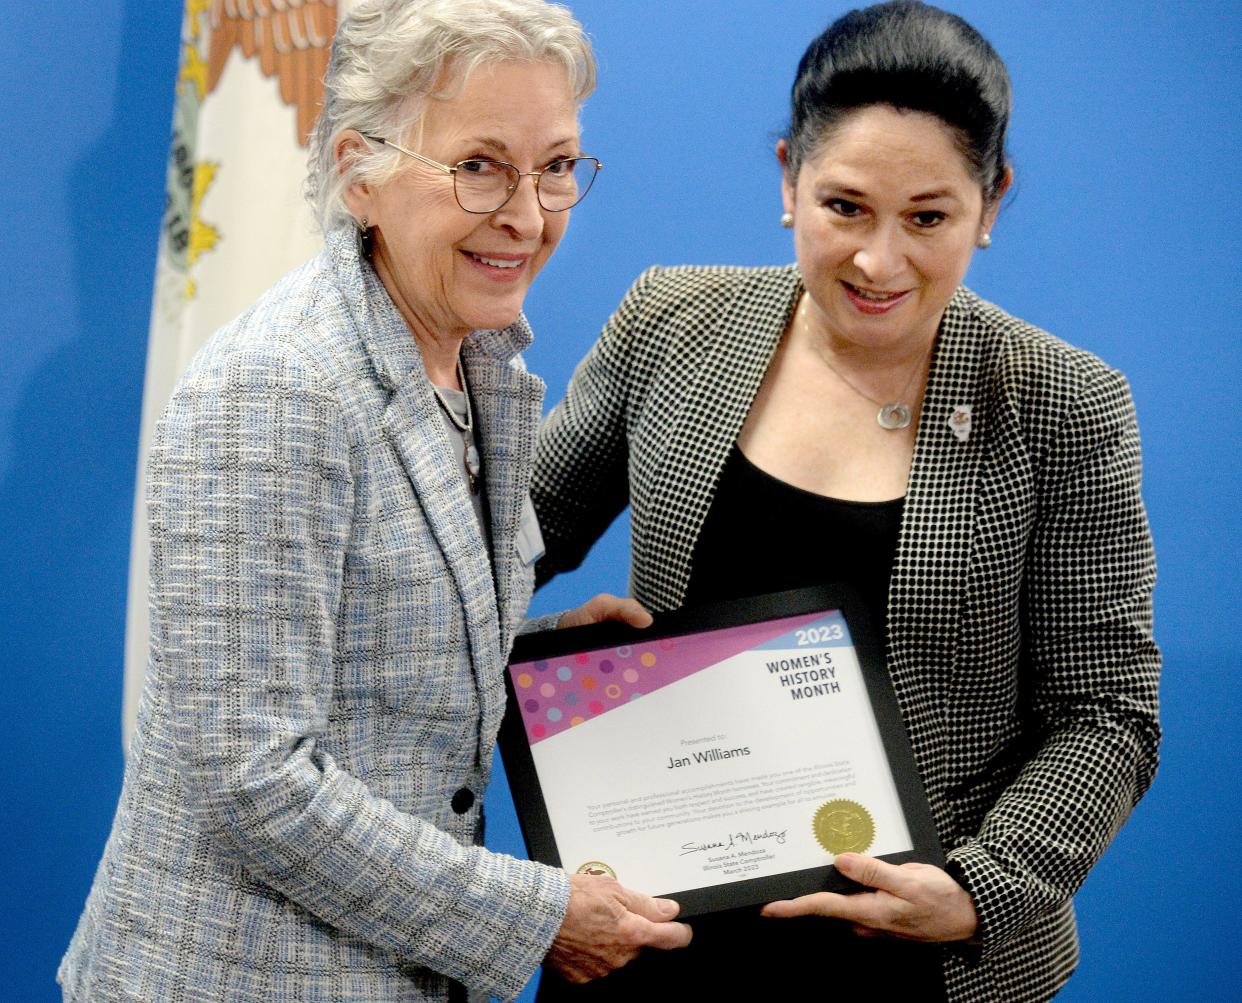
column 862, row 417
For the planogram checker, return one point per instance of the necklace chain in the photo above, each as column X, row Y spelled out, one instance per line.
column 894, row 414
column 470, row 456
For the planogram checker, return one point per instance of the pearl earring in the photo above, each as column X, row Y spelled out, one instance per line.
column 787, row 220
column 985, row 241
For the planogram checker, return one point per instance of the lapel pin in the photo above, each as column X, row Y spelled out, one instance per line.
column 959, row 421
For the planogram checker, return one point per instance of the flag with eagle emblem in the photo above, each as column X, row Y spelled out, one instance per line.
column 249, row 87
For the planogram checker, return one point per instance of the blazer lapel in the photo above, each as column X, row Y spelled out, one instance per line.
column 713, row 401
column 934, row 545
column 508, row 402
column 413, row 425
column 416, row 430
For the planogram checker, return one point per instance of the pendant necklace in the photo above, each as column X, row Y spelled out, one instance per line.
column 894, row 414
column 470, row 455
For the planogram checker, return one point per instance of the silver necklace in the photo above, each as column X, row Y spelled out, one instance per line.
column 470, row 455
column 894, row 414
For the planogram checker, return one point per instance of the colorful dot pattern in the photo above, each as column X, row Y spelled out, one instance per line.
column 561, row 693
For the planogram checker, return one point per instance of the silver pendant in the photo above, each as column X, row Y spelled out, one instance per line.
column 894, row 416
column 472, row 467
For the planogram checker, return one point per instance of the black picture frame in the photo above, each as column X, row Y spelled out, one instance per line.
column 527, row 791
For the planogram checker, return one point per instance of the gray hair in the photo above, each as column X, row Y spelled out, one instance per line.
column 388, row 57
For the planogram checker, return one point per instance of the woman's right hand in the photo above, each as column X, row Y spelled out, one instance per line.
column 607, row 924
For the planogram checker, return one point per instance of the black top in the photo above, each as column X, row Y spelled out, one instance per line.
column 763, row 535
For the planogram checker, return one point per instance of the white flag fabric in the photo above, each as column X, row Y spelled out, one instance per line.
column 249, row 87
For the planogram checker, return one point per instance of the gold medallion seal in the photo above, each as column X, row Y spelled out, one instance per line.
column 843, row 827
column 598, row 868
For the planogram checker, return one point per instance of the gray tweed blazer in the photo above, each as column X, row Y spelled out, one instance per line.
column 301, row 813
column 1019, row 612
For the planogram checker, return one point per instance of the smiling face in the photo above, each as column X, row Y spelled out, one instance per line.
column 886, row 217
column 449, row 271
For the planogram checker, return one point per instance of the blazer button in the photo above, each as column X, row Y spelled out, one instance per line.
column 462, row 800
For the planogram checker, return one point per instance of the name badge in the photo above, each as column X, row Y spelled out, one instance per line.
column 529, row 539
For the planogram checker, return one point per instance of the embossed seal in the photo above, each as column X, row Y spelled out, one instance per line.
column 598, row 868
column 843, row 826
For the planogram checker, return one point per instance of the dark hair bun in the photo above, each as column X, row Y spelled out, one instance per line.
column 912, row 56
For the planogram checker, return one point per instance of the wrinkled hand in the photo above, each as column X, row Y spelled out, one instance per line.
column 607, row 924
column 910, row 901
column 606, row 607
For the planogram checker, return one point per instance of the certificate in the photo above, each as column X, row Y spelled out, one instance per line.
column 722, row 757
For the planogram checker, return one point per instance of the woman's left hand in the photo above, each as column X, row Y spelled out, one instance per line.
column 910, row 901
column 607, row 607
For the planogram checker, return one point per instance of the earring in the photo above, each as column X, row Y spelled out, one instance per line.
column 985, row 241
column 787, row 220
column 364, row 237
column 365, row 223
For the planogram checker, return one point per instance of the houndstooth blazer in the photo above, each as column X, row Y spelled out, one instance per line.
column 1019, row 610
column 301, row 813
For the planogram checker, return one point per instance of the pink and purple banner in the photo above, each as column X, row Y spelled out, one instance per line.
column 559, row 693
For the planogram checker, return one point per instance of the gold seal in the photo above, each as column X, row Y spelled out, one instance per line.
column 843, row 827
column 598, row 868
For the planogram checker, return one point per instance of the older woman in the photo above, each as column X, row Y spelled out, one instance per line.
column 341, row 552
column 861, row 416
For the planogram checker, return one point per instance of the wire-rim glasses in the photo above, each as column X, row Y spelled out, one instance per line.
column 484, row 186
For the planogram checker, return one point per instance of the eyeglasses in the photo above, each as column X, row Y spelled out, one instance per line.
column 483, row 186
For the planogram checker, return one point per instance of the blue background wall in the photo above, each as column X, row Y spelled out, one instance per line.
column 1123, row 237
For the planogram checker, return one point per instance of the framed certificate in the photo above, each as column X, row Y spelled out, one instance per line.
column 722, row 757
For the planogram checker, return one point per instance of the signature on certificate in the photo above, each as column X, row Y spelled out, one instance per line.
column 733, row 839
